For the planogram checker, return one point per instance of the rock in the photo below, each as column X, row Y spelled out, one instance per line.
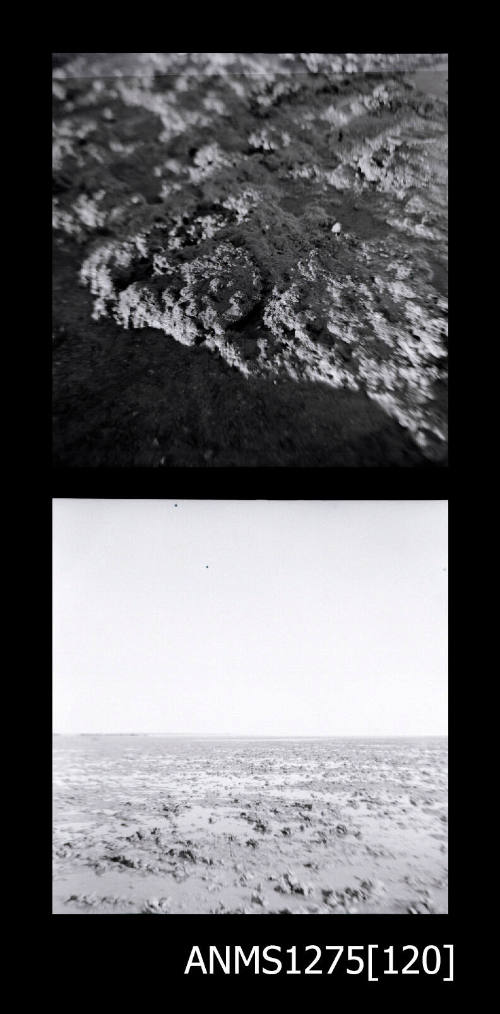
column 193, row 196
column 187, row 854
column 294, row 885
column 156, row 906
column 124, row 861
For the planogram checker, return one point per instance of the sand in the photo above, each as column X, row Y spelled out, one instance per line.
column 160, row 825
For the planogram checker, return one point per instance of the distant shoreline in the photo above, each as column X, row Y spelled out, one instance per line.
column 199, row 735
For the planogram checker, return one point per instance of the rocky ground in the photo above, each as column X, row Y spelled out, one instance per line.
column 250, row 261
column 169, row 825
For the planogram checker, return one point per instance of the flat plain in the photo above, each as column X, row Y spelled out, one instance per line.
column 159, row 825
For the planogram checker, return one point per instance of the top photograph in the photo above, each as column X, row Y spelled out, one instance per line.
column 250, row 260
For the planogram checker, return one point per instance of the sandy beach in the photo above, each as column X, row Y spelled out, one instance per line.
column 159, row 825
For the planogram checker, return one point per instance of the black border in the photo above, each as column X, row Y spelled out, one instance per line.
column 253, row 483
column 149, row 961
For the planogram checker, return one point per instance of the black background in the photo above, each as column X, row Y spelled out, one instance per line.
column 102, row 961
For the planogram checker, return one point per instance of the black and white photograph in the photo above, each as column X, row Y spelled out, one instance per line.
column 250, row 260
column 250, row 707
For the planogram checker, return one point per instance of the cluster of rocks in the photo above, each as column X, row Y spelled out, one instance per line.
column 187, row 830
column 292, row 221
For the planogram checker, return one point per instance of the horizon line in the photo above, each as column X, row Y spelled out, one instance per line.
column 254, row 735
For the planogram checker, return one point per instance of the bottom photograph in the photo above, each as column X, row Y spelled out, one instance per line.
column 250, row 707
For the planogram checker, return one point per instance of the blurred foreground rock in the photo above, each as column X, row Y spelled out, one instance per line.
column 285, row 215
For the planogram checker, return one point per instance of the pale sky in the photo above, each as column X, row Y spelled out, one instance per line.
column 253, row 617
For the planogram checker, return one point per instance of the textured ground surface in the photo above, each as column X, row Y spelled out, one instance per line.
column 159, row 825
column 250, row 261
